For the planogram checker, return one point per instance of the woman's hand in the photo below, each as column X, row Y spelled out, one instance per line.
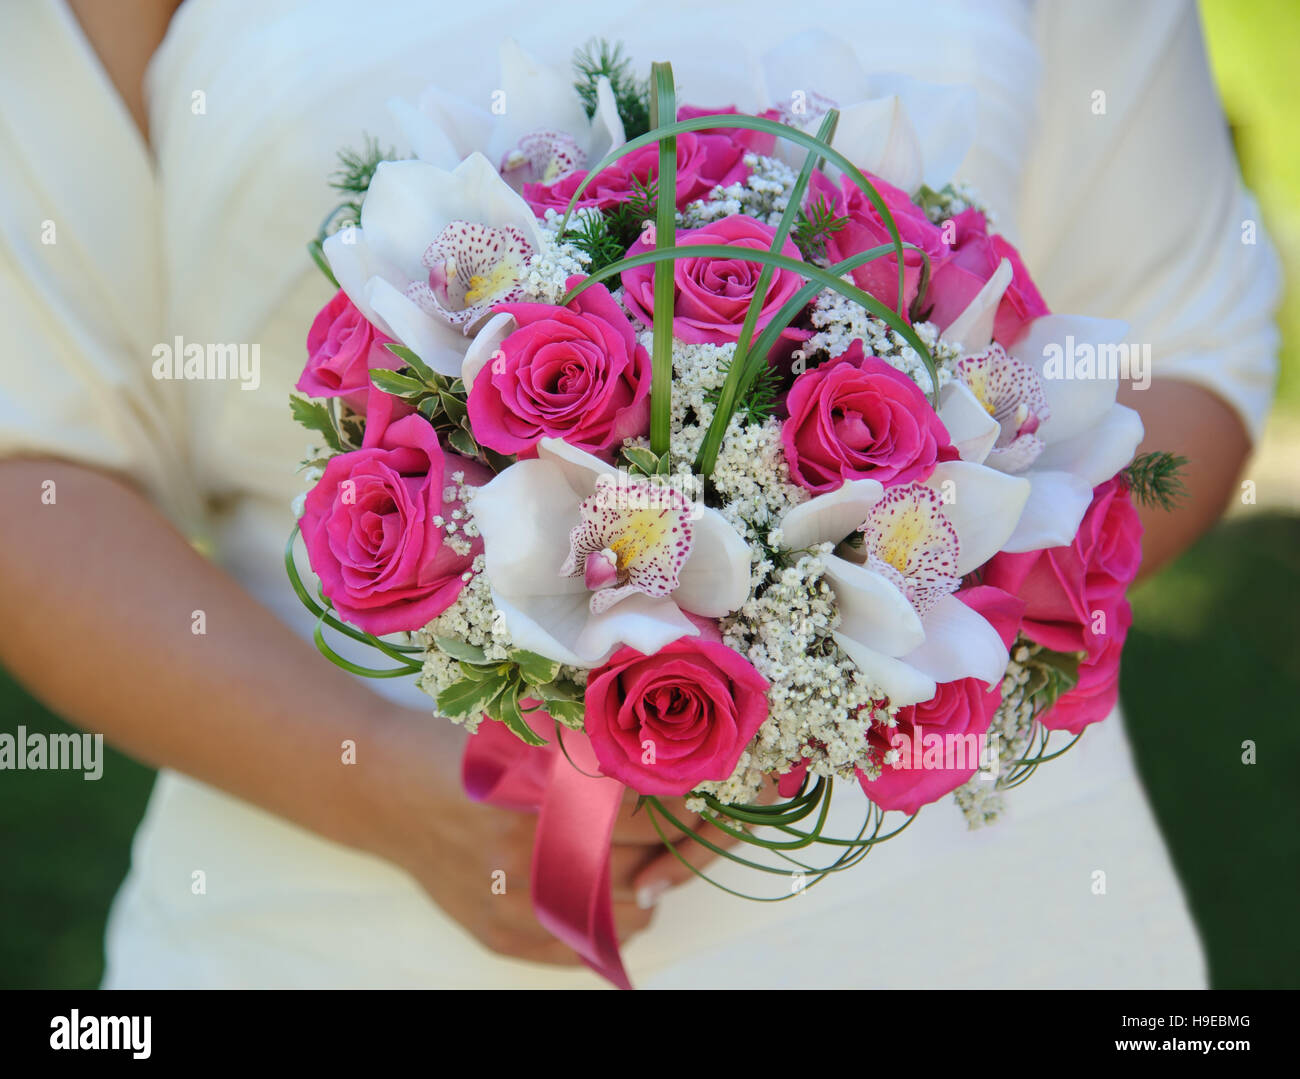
column 474, row 859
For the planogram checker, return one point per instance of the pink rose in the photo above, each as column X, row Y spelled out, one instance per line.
column 939, row 740
column 1094, row 697
column 856, row 417
column 711, row 295
column 575, row 373
column 973, row 258
column 703, row 162
column 758, row 142
column 1066, row 588
column 865, row 229
column 1075, row 600
column 342, row 349
column 370, row 531
column 665, row 723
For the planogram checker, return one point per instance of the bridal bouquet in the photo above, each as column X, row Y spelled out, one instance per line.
column 694, row 452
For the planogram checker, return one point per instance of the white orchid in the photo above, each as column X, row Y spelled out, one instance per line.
column 538, row 130
column 582, row 558
column 899, row 622
column 1015, row 411
column 906, row 132
column 435, row 250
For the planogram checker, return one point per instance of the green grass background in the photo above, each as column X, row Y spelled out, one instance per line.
column 1212, row 661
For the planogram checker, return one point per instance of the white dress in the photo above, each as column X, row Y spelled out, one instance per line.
column 1135, row 213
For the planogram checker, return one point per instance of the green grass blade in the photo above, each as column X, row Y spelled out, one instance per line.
column 729, row 395
column 663, row 109
column 771, row 127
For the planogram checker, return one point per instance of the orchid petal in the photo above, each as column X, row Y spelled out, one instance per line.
column 606, row 126
column 484, row 346
column 970, row 427
column 959, row 643
column 525, row 515
column 1076, row 398
column 879, row 138
column 715, row 579
column 902, row 683
column 872, row 610
column 580, row 468
column 563, row 628
column 410, row 202
column 436, row 343
column 972, row 330
column 1057, row 502
column 537, row 97
column 830, row 517
column 944, row 117
column 983, row 506
column 787, row 67
column 427, row 139
column 1100, row 452
column 441, row 128
column 353, row 261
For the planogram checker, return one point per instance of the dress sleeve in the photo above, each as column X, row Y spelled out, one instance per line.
column 80, row 287
column 1133, row 205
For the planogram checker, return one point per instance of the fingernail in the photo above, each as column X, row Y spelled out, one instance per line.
column 648, row 894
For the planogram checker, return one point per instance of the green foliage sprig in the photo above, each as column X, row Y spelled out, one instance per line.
column 356, row 170
column 1051, row 676
column 759, row 401
column 440, row 400
column 352, row 178
column 631, row 94
column 814, row 225
column 499, row 689
column 1154, row 480
column 606, row 235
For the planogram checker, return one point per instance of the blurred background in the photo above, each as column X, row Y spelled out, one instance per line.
column 1213, row 658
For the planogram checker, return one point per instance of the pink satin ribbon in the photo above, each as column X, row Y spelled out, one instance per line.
column 570, row 869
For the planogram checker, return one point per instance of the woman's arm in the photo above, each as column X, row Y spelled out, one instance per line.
column 100, row 598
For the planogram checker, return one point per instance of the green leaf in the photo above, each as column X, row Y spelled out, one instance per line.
column 536, row 670
column 663, row 110
column 462, row 442
column 567, row 712
column 1066, row 663
column 428, row 407
column 469, row 696
column 498, row 462
column 509, row 713
column 459, row 649
column 479, row 671
column 454, row 407
column 561, row 690
column 398, row 385
column 643, row 460
column 315, row 416
column 408, row 357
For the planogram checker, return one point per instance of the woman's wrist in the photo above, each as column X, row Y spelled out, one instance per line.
column 409, row 786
